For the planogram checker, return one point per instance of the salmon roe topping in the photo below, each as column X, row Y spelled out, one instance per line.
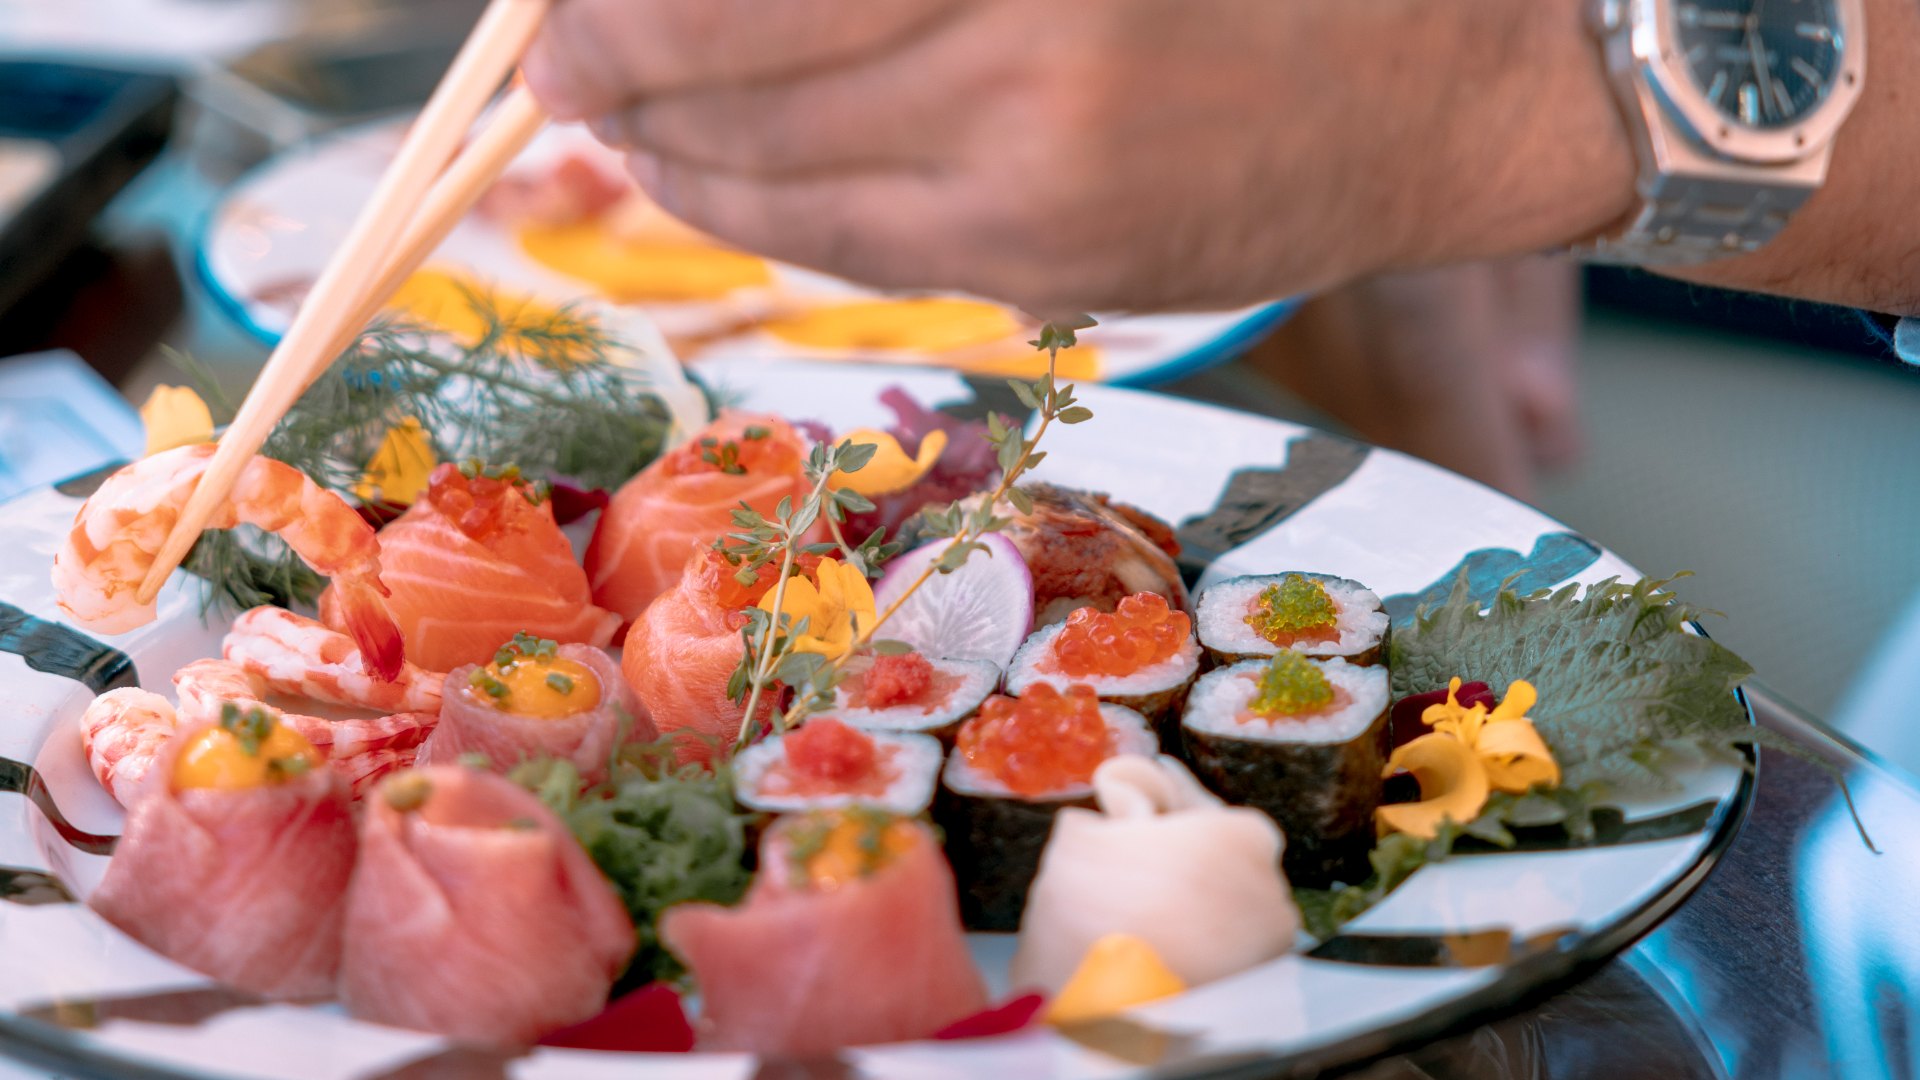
column 1142, row 632
column 758, row 446
column 1041, row 742
column 485, row 503
column 828, row 752
column 897, row 680
column 1296, row 611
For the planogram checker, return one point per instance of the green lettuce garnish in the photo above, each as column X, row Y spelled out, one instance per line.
column 662, row 834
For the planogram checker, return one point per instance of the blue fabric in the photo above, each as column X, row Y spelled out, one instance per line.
column 1906, row 341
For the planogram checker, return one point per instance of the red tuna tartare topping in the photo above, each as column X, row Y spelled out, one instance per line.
column 897, row 680
column 1038, row 743
column 1143, row 632
column 827, row 755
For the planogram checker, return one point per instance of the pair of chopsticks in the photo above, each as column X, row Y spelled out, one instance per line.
column 422, row 196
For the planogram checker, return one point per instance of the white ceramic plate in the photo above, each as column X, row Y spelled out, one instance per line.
column 272, row 233
column 77, row 993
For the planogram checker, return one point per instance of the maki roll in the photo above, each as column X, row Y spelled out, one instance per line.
column 1016, row 765
column 1316, row 615
column 1141, row 655
column 912, row 693
column 1304, row 740
column 827, row 765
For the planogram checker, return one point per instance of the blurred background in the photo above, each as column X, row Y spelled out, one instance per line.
column 1764, row 446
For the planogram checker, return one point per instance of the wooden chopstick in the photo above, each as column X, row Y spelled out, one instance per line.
column 346, row 287
column 512, row 125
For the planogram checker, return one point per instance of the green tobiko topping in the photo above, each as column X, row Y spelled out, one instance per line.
column 1296, row 605
column 1291, row 685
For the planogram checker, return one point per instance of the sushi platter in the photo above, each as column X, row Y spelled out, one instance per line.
column 1213, row 745
column 567, row 226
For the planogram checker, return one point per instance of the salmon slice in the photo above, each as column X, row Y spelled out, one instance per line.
column 686, row 498
column 683, row 650
column 475, row 562
column 475, row 914
column 246, row 886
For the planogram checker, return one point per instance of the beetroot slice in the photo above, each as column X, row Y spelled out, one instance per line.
column 650, row 1020
column 1004, row 1019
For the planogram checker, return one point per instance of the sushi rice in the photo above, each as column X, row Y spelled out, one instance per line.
column 1221, row 620
column 1154, row 691
column 915, row 757
column 977, row 680
column 1317, row 776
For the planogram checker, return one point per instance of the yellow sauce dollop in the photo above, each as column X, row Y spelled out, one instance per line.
column 547, row 687
column 836, row 848
column 218, row 759
column 931, row 324
column 628, row 271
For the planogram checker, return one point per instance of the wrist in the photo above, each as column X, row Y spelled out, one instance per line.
column 1528, row 150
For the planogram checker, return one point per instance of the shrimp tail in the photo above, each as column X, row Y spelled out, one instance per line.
column 364, row 617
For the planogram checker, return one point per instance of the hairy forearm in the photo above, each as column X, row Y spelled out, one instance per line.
column 1540, row 158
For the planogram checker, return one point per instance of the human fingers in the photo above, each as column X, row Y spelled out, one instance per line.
column 594, row 56
column 854, row 223
column 881, row 113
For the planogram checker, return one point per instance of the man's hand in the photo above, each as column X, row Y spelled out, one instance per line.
column 1103, row 154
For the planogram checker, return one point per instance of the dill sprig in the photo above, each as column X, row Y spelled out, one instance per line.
column 537, row 387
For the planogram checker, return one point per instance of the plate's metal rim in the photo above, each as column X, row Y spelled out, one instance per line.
column 1225, row 346
column 1519, row 985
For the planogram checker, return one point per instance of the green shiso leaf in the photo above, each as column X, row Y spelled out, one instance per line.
column 1625, row 690
column 662, row 835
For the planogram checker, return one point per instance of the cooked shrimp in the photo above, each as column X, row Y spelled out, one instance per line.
column 122, row 732
column 120, row 529
column 300, row 657
column 205, row 686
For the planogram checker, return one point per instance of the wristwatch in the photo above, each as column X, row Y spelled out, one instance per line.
column 1733, row 106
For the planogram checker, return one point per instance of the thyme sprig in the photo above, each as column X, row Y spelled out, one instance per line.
column 769, row 657
column 1017, row 454
column 537, row 387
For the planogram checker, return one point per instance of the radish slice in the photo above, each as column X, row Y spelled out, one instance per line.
column 981, row 611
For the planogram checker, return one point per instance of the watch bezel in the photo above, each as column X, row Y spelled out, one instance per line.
column 1656, row 49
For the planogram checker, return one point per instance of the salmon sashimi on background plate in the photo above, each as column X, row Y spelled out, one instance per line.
column 476, row 561
column 688, row 497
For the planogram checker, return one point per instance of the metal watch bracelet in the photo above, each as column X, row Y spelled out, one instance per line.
column 1691, row 219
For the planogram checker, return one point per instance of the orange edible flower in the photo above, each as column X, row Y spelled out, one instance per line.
column 835, row 599
column 175, row 417
column 1470, row 754
column 891, row 469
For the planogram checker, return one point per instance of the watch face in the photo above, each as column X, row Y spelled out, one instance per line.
column 1763, row 63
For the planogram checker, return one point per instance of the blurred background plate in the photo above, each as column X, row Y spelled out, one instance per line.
column 269, row 236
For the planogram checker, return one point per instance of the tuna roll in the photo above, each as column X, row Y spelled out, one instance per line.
column 1158, row 843
column 849, row 936
column 1016, row 765
column 912, row 693
column 1316, row 615
column 1141, row 655
column 1304, row 740
column 538, row 699
column 474, row 914
column 236, row 857
column 826, row 765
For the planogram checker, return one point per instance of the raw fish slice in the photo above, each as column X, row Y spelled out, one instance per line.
column 245, row 885
column 587, row 739
column 640, row 545
column 799, row 972
column 475, row 562
column 680, row 654
column 1163, row 860
column 474, row 914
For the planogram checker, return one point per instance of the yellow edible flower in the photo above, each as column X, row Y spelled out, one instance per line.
column 840, row 597
column 398, row 471
column 1470, row 754
column 1118, row 972
column 175, row 416
column 891, row 469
